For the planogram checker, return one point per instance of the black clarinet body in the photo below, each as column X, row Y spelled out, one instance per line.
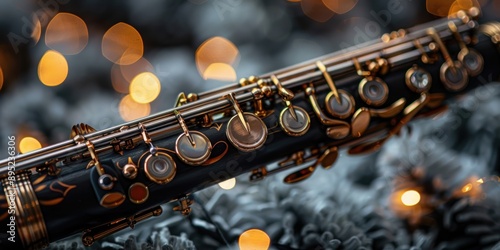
column 107, row 181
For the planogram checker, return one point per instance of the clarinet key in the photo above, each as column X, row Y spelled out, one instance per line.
column 160, row 167
column 246, row 131
column 130, row 169
column 454, row 77
column 244, row 140
column 338, row 132
column 342, row 109
column 108, row 191
column 293, row 120
column 360, row 122
column 193, row 154
column 373, row 91
column 418, row 80
column 470, row 58
column 329, row 157
column 390, row 111
column 192, row 147
column 295, row 125
column 138, row 193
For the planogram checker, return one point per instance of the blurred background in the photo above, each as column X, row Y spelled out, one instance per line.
column 102, row 63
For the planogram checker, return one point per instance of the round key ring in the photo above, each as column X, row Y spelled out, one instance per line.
column 192, row 147
column 246, row 131
column 159, row 166
column 294, row 120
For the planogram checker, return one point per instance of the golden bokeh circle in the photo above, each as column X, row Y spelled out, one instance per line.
column 28, row 144
column 122, row 44
column 67, row 33
column 254, row 239
column 52, row 68
column 145, row 87
column 410, row 198
column 216, row 51
column 220, row 71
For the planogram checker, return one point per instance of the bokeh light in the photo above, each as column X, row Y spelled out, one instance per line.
column 449, row 7
column 472, row 188
column 122, row 44
column 340, row 6
column 66, row 33
column 220, row 71
column 37, row 29
column 410, row 198
column 316, row 10
column 53, row 68
column 130, row 110
column 254, row 239
column 462, row 5
column 122, row 75
column 228, row 184
column 28, row 144
column 145, row 87
column 216, row 50
column 466, row 188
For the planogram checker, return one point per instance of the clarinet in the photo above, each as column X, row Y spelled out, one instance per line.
column 100, row 182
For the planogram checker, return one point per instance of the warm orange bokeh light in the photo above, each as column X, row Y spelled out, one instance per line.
column 254, row 239
column 462, row 5
column 340, row 6
column 216, row 50
column 316, row 10
column 122, row 44
column 410, row 198
column 37, row 29
column 122, row 75
column 466, row 188
column 67, row 33
column 228, row 184
column 220, row 71
column 53, row 68
column 449, row 7
column 145, row 87
column 130, row 110
column 28, row 144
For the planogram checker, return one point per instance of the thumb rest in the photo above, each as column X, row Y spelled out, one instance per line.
column 100, row 182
